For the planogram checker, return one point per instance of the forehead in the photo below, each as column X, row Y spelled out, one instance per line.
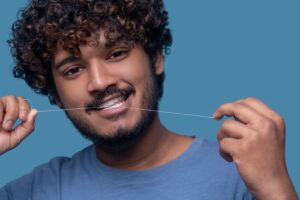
column 100, row 39
column 96, row 41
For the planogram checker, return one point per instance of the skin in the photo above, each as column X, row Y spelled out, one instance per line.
column 97, row 69
column 11, row 109
column 254, row 140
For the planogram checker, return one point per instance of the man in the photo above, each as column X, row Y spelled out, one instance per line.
column 107, row 57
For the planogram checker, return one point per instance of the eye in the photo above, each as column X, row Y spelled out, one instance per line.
column 118, row 54
column 72, row 71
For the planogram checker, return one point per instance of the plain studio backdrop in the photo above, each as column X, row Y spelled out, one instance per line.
column 223, row 51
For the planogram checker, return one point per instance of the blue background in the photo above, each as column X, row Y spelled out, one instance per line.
column 223, row 51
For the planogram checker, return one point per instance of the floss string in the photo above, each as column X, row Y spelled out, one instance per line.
column 149, row 110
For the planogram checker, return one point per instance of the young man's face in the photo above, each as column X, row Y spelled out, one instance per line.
column 107, row 82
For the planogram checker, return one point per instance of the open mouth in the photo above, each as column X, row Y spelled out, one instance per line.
column 110, row 100
column 113, row 102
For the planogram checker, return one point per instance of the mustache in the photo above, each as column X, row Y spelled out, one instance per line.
column 99, row 96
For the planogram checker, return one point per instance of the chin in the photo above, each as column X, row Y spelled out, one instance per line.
column 119, row 135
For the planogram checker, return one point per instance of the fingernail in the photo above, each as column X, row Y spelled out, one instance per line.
column 23, row 114
column 8, row 124
column 215, row 115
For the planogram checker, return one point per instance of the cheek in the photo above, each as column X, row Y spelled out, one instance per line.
column 70, row 93
column 135, row 71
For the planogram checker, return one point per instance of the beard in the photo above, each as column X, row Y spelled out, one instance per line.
column 121, row 138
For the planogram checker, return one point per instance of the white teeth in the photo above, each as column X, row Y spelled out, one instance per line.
column 114, row 106
column 112, row 103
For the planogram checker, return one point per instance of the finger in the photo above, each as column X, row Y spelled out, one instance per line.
column 262, row 108
column 241, row 112
column 228, row 148
column 24, row 108
column 233, row 129
column 11, row 110
column 24, row 129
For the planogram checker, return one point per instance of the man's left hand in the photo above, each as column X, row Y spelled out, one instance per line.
column 255, row 141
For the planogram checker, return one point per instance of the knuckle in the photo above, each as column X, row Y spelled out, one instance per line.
column 279, row 120
column 21, row 97
column 239, row 106
column 24, row 105
column 223, row 144
column 247, row 100
column 220, row 137
column 9, row 97
column 268, row 126
column 10, row 101
column 21, row 100
column 251, row 99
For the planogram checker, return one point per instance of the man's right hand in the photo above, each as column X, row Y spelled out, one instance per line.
column 11, row 109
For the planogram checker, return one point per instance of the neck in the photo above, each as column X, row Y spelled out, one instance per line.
column 157, row 146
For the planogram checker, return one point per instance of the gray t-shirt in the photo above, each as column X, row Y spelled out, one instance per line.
column 199, row 173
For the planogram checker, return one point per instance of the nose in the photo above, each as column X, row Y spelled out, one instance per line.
column 100, row 77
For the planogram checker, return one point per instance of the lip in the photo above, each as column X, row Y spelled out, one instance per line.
column 115, row 112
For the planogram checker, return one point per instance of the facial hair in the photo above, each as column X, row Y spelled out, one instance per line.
column 121, row 138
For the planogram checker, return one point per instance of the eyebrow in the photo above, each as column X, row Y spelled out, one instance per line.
column 66, row 60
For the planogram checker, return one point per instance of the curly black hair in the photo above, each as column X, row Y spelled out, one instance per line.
column 44, row 24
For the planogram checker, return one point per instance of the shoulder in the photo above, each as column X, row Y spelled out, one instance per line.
column 58, row 165
column 214, row 172
column 45, row 176
column 207, row 156
column 206, row 153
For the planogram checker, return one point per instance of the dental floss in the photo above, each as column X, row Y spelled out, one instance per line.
column 149, row 110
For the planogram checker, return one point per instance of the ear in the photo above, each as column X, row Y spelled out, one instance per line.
column 159, row 63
